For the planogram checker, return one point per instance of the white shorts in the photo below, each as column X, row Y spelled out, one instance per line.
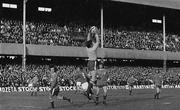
column 30, row 85
column 82, row 86
column 78, row 84
column 85, row 86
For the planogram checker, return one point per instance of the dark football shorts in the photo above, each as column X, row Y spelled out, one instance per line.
column 91, row 64
column 101, row 84
column 55, row 91
column 131, row 85
column 35, row 85
column 45, row 82
column 159, row 86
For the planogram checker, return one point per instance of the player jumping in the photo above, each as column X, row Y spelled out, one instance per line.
column 91, row 47
column 54, row 91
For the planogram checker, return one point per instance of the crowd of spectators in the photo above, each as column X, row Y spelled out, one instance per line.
column 144, row 75
column 13, row 75
column 41, row 33
column 140, row 40
column 74, row 34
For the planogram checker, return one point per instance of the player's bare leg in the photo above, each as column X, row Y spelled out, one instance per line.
column 78, row 87
column 84, row 90
column 51, row 100
column 64, row 98
column 51, row 97
column 105, row 94
column 157, row 93
column 82, row 85
column 32, row 93
column 36, row 91
column 130, row 90
column 89, row 91
column 97, row 96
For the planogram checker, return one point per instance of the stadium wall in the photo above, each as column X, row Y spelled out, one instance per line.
column 67, row 51
column 73, row 88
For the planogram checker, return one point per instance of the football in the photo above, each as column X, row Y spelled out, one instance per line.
column 93, row 29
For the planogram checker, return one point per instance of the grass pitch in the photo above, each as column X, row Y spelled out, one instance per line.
column 116, row 100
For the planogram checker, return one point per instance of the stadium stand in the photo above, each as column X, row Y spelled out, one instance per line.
column 13, row 75
column 75, row 35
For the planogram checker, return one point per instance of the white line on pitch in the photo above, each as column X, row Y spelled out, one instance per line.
column 32, row 107
column 166, row 103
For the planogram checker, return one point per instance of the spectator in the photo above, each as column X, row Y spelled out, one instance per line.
column 74, row 35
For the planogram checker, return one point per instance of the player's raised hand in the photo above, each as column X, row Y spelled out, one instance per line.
column 93, row 29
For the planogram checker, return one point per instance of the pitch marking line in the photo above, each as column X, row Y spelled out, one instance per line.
column 32, row 107
column 166, row 103
column 23, row 106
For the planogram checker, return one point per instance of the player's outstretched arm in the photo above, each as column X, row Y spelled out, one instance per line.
column 97, row 38
column 88, row 36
